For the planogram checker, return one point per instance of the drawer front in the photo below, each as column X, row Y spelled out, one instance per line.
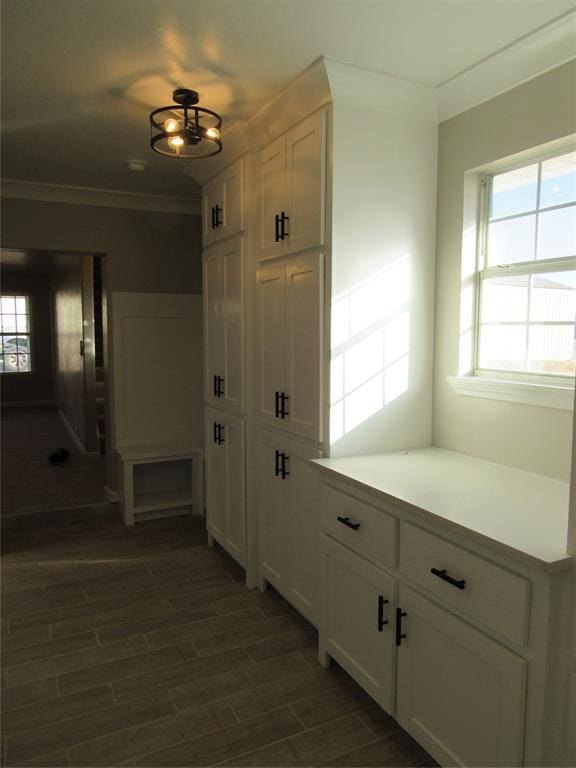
column 481, row 590
column 366, row 530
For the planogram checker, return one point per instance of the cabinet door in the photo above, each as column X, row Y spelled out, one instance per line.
column 232, row 192
column 272, row 343
column 272, row 510
column 302, row 525
column 272, row 174
column 304, row 348
column 211, row 197
column 305, row 183
column 214, row 320
column 234, row 483
column 352, row 616
column 460, row 694
column 232, row 388
column 216, row 493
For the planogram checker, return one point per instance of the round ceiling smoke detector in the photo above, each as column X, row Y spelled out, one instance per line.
column 137, row 166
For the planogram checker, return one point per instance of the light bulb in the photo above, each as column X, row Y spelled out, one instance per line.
column 213, row 133
column 176, row 141
column 171, row 125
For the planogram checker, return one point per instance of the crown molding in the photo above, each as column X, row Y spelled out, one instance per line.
column 532, row 55
column 106, row 198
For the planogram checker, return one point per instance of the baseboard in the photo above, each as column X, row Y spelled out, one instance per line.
column 112, row 496
column 27, row 403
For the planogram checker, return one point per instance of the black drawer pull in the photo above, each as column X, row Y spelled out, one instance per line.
column 442, row 574
column 381, row 620
column 399, row 634
column 277, row 235
column 348, row 523
column 282, row 411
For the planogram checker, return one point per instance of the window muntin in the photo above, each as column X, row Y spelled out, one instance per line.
column 527, row 281
column 15, row 334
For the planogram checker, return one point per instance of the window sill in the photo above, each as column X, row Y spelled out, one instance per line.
column 544, row 395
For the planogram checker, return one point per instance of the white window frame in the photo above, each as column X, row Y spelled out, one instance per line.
column 549, row 390
column 29, row 333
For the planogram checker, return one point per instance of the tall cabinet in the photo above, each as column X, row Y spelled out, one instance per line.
column 224, row 279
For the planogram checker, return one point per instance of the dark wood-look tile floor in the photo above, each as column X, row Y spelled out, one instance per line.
column 142, row 647
column 29, row 481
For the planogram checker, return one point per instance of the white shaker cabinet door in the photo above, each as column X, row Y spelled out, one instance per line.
column 304, row 347
column 272, row 195
column 305, row 183
column 460, row 693
column 272, row 508
column 214, row 321
column 272, row 342
column 357, row 619
column 232, row 388
column 232, row 194
column 302, row 525
column 225, row 482
column 211, row 208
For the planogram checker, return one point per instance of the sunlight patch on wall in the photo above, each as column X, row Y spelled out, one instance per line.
column 370, row 347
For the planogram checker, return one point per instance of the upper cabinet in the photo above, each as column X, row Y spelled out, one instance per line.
column 292, row 172
column 224, row 325
column 291, row 342
column 223, row 204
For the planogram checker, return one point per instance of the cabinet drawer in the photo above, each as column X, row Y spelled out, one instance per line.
column 485, row 592
column 375, row 535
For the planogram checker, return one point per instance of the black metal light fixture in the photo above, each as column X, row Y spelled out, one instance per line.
column 185, row 130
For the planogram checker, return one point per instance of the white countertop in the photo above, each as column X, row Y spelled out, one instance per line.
column 526, row 513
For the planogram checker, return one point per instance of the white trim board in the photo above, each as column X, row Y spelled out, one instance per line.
column 526, row 393
column 104, row 198
column 532, row 55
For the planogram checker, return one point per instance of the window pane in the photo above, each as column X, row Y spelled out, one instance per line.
column 514, row 192
column 502, row 347
column 551, row 349
column 511, row 241
column 9, row 323
column 10, row 362
column 553, row 297
column 21, row 308
column 505, row 299
column 558, row 183
column 8, row 305
column 557, row 233
column 22, row 343
column 22, row 324
column 23, row 362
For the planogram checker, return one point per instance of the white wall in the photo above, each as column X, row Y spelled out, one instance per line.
column 532, row 438
column 383, row 230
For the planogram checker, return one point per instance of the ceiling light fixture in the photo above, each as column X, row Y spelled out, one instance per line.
column 185, row 130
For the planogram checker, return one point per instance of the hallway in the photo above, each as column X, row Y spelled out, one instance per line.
column 142, row 647
column 29, row 482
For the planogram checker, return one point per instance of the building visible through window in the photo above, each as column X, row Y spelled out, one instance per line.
column 527, row 278
column 15, row 340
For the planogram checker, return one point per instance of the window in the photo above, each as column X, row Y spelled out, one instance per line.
column 526, row 315
column 15, row 346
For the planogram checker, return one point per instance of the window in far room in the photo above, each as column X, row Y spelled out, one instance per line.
column 526, row 308
column 15, row 339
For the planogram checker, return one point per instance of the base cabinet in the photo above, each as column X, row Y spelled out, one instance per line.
column 225, row 482
column 289, row 509
column 357, row 619
column 459, row 693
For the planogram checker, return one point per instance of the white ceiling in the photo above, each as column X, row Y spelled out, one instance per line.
column 79, row 77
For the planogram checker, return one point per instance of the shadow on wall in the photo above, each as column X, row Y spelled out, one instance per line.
column 370, row 347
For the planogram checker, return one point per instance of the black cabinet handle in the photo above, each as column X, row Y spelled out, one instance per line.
column 217, row 211
column 283, row 470
column 277, row 404
column 381, row 620
column 282, row 410
column 442, row 574
column 215, row 433
column 218, row 389
column 212, row 212
column 348, row 523
column 215, row 385
column 283, row 231
column 399, row 616
column 277, row 469
column 277, row 235
column 220, row 434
